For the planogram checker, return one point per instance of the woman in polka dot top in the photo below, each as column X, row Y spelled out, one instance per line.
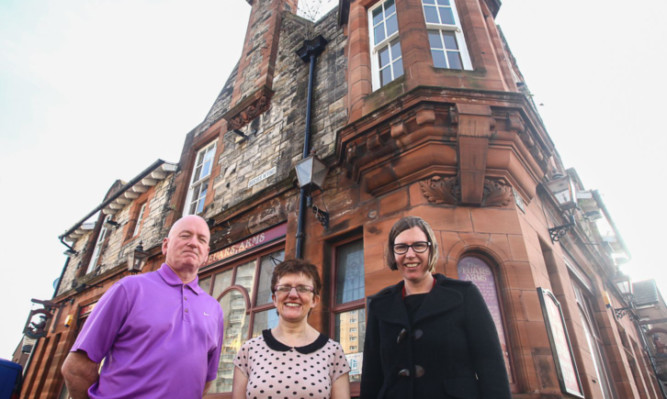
column 292, row 360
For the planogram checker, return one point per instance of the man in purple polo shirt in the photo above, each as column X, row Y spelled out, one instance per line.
column 158, row 333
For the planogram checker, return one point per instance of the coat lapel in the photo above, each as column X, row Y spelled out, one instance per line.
column 388, row 306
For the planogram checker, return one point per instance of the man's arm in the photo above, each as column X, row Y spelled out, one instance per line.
column 80, row 373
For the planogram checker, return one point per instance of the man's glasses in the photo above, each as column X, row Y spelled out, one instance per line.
column 418, row 247
column 300, row 289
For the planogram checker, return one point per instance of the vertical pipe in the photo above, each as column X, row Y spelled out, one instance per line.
column 308, row 53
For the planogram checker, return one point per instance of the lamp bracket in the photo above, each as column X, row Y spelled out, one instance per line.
column 619, row 313
column 559, row 231
column 322, row 216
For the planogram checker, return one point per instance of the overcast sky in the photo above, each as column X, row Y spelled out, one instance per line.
column 96, row 90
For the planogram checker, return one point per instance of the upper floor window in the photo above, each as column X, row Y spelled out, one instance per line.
column 97, row 251
column 348, row 303
column 448, row 47
column 140, row 216
column 194, row 204
column 386, row 57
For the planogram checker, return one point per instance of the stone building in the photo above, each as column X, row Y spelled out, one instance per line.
column 414, row 107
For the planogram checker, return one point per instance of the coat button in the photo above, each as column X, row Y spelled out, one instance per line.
column 419, row 371
column 418, row 334
column 401, row 335
column 404, row 373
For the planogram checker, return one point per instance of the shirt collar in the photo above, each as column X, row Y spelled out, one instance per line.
column 170, row 277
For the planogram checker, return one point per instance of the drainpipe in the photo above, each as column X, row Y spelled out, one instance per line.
column 308, row 53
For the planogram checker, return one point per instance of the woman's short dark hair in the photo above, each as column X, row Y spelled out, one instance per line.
column 296, row 266
column 406, row 223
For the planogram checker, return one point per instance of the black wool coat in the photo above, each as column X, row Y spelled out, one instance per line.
column 451, row 350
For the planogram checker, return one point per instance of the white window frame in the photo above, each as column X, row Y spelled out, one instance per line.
column 137, row 225
column 455, row 28
column 386, row 43
column 198, row 181
column 98, row 245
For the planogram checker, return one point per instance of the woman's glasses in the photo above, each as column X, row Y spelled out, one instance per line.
column 418, row 247
column 300, row 289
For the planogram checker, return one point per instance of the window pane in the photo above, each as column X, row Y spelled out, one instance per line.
column 377, row 15
column 398, row 68
column 350, row 272
column 233, row 306
column 385, row 76
column 264, row 320
column 443, row 2
column 205, row 284
column 450, row 41
column 454, row 59
column 395, row 50
column 350, row 333
column 222, row 282
column 383, row 57
column 245, row 276
column 434, row 39
column 431, row 15
column 379, row 33
column 428, row 1
column 390, row 7
column 438, row 59
column 392, row 25
column 267, row 264
column 446, row 15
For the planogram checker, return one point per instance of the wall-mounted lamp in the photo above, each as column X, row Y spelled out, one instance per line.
column 311, row 173
column 624, row 286
column 136, row 260
column 563, row 189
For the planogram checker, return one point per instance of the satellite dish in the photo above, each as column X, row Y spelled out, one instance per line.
column 55, row 282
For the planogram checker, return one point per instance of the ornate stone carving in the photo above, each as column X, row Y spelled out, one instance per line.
column 249, row 113
column 496, row 193
column 446, row 190
column 441, row 190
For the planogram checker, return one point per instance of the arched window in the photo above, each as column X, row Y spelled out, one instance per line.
column 244, row 293
column 475, row 269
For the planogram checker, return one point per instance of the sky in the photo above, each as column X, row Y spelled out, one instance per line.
column 96, row 90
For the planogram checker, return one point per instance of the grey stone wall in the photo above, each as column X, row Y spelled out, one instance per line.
column 276, row 137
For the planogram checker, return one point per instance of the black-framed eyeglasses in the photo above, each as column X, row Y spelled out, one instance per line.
column 417, row 246
column 300, row 289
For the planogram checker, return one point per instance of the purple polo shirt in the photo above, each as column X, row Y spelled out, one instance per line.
column 160, row 338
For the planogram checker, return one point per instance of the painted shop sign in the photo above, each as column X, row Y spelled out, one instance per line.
column 566, row 368
column 249, row 243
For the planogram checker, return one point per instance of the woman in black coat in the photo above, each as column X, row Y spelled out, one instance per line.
column 429, row 336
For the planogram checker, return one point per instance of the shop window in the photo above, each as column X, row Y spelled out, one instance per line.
column 476, row 270
column 201, row 173
column 244, row 293
column 445, row 36
column 348, row 312
column 386, row 57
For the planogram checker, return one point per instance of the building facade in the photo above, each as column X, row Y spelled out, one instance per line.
column 414, row 107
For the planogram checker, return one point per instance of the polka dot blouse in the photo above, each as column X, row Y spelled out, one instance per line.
column 277, row 371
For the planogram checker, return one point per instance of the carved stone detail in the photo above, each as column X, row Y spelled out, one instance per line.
column 246, row 115
column 446, row 190
column 441, row 190
column 496, row 193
